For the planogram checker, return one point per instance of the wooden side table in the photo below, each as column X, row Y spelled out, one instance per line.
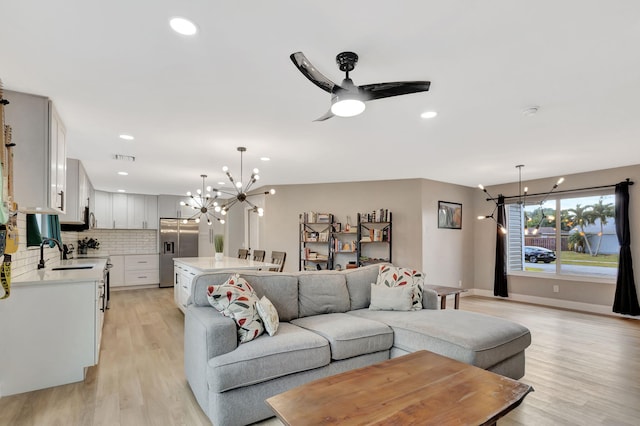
column 444, row 291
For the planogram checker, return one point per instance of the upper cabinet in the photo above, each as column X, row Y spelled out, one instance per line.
column 78, row 193
column 40, row 166
column 169, row 206
column 125, row 211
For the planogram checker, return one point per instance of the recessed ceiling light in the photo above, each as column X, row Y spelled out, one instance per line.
column 428, row 114
column 265, row 158
column 127, row 137
column 123, row 173
column 122, row 190
column 183, row 26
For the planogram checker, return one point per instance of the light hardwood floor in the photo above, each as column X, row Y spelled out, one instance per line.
column 585, row 370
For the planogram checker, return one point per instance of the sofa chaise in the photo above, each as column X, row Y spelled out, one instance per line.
column 326, row 327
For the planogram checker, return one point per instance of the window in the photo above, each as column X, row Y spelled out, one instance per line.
column 567, row 235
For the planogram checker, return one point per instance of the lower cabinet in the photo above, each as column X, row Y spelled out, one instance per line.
column 183, row 277
column 134, row 270
column 141, row 269
column 51, row 333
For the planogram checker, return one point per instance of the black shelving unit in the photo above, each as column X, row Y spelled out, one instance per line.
column 315, row 241
column 344, row 248
column 374, row 237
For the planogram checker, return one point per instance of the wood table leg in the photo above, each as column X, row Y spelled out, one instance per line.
column 443, row 301
column 457, row 302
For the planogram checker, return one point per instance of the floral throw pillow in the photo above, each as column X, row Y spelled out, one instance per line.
column 269, row 315
column 236, row 299
column 393, row 276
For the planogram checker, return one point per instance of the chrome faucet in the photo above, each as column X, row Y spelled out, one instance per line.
column 44, row 241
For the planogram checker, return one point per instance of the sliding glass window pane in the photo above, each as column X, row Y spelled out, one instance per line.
column 540, row 242
column 589, row 228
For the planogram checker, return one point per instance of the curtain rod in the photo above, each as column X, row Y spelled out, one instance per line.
column 561, row 192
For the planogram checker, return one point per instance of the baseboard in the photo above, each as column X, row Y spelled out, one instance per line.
column 554, row 303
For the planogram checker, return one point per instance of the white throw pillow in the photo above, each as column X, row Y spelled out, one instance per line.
column 269, row 315
column 385, row 298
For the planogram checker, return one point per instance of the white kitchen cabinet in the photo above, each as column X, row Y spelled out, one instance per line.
column 151, row 212
column 119, row 206
column 78, row 193
column 116, row 273
column 205, row 239
column 142, row 211
column 39, row 153
column 142, row 269
column 125, row 211
column 183, row 277
column 103, row 210
column 169, row 206
column 51, row 333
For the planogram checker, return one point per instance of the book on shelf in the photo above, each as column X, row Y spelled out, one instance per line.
column 323, row 218
column 381, row 215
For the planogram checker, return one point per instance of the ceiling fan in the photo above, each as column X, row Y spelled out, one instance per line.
column 347, row 99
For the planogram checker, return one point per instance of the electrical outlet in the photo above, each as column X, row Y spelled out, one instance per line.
column 556, row 288
column 460, row 283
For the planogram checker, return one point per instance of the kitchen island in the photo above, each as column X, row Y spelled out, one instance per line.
column 186, row 268
column 51, row 326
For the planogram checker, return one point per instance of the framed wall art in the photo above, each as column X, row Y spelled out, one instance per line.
column 449, row 215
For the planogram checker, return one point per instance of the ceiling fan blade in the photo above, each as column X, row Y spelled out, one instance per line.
column 386, row 90
column 309, row 71
column 327, row 116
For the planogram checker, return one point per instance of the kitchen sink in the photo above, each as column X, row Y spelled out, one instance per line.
column 63, row 268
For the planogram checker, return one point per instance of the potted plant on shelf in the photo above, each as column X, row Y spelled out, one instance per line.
column 218, row 242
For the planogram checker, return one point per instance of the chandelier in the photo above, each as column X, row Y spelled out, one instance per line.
column 521, row 199
column 242, row 191
column 203, row 203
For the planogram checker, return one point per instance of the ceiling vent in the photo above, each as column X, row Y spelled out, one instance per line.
column 123, row 157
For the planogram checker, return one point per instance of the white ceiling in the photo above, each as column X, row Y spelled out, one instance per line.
column 116, row 67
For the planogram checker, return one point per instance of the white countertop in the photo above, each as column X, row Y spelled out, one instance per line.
column 49, row 276
column 210, row 264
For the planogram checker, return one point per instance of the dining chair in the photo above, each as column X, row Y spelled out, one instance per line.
column 243, row 253
column 258, row 255
column 278, row 257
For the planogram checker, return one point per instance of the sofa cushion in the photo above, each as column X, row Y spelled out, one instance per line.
column 269, row 315
column 236, row 299
column 281, row 288
column 476, row 339
column 393, row 276
column 349, row 336
column 291, row 350
column 322, row 292
column 359, row 285
column 385, row 298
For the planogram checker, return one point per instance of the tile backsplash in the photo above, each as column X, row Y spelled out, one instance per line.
column 119, row 241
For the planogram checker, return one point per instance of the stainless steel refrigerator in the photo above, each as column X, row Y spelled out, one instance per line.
column 177, row 239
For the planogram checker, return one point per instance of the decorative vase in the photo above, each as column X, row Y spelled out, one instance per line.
column 219, row 256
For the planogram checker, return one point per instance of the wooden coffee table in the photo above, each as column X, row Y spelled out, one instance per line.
column 420, row 388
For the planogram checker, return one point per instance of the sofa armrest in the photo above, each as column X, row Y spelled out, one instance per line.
column 429, row 299
column 207, row 333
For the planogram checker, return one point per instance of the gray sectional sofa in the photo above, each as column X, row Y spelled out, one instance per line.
column 325, row 328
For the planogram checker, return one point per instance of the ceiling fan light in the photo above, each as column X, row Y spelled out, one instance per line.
column 347, row 107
